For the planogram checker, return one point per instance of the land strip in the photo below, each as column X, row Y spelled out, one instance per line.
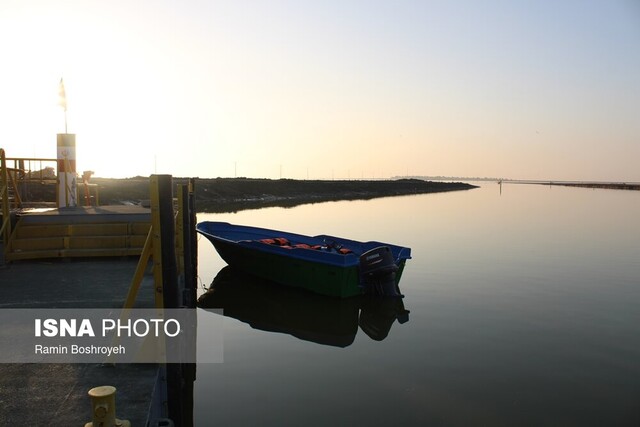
column 633, row 186
column 234, row 194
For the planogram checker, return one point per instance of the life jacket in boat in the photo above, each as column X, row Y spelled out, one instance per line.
column 277, row 241
column 284, row 243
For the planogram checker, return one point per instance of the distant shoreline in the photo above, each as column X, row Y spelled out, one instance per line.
column 234, row 194
column 217, row 195
column 613, row 185
column 633, row 186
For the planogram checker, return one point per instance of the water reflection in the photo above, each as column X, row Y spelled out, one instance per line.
column 529, row 302
column 271, row 307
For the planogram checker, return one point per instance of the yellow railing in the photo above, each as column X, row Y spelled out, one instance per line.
column 30, row 169
column 15, row 172
column 25, row 170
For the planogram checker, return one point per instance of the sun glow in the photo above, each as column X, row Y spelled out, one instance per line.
column 323, row 90
column 112, row 90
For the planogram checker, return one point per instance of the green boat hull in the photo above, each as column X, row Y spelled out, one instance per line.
column 331, row 280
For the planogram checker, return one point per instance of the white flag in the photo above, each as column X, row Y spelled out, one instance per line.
column 62, row 97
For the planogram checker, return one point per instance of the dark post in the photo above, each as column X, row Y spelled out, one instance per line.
column 162, row 201
column 189, row 244
column 194, row 236
column 167, row 233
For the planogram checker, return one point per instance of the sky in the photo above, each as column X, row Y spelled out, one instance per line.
column 327, row 89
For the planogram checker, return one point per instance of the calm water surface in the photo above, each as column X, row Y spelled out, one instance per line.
column 525, row 310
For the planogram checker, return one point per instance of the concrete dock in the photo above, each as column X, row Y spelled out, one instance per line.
column 56, row 394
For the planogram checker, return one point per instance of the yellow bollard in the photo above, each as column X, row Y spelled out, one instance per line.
column 103, row 404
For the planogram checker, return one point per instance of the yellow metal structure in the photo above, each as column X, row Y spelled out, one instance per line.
column 23, row 239
column 41, row 171
column 103, row 408
column 84, row 234
column 152, row 249
column 25, row 171
column 140, row 269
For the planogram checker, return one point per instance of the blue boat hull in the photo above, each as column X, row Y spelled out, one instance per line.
column 323, row 264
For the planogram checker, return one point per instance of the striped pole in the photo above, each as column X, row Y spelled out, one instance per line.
column 67, row 180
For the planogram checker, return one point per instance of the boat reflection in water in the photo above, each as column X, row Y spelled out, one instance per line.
column 324, row 320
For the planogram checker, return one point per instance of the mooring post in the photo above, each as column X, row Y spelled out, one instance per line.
column 164, row 255
column 166, row 274
column 189, row 242
column 103, row 408
column 186, row 241
column 194, row 236
column 190, row 245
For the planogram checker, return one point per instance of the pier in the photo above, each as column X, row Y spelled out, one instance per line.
column 56, row 393
column 107, row 231
column 117, row 257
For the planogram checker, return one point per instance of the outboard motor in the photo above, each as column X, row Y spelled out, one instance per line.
column 378, row 272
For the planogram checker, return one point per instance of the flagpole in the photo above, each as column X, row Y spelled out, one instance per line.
column 66, row 147
column 62, row 101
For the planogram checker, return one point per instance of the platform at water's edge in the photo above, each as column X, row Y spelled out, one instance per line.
column 117, row 230
column 55, row 394
column 88, row 214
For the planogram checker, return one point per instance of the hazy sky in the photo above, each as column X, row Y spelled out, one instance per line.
column 320, row 89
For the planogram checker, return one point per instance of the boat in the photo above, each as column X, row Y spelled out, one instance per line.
column 323, row 264
column 268, row 306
